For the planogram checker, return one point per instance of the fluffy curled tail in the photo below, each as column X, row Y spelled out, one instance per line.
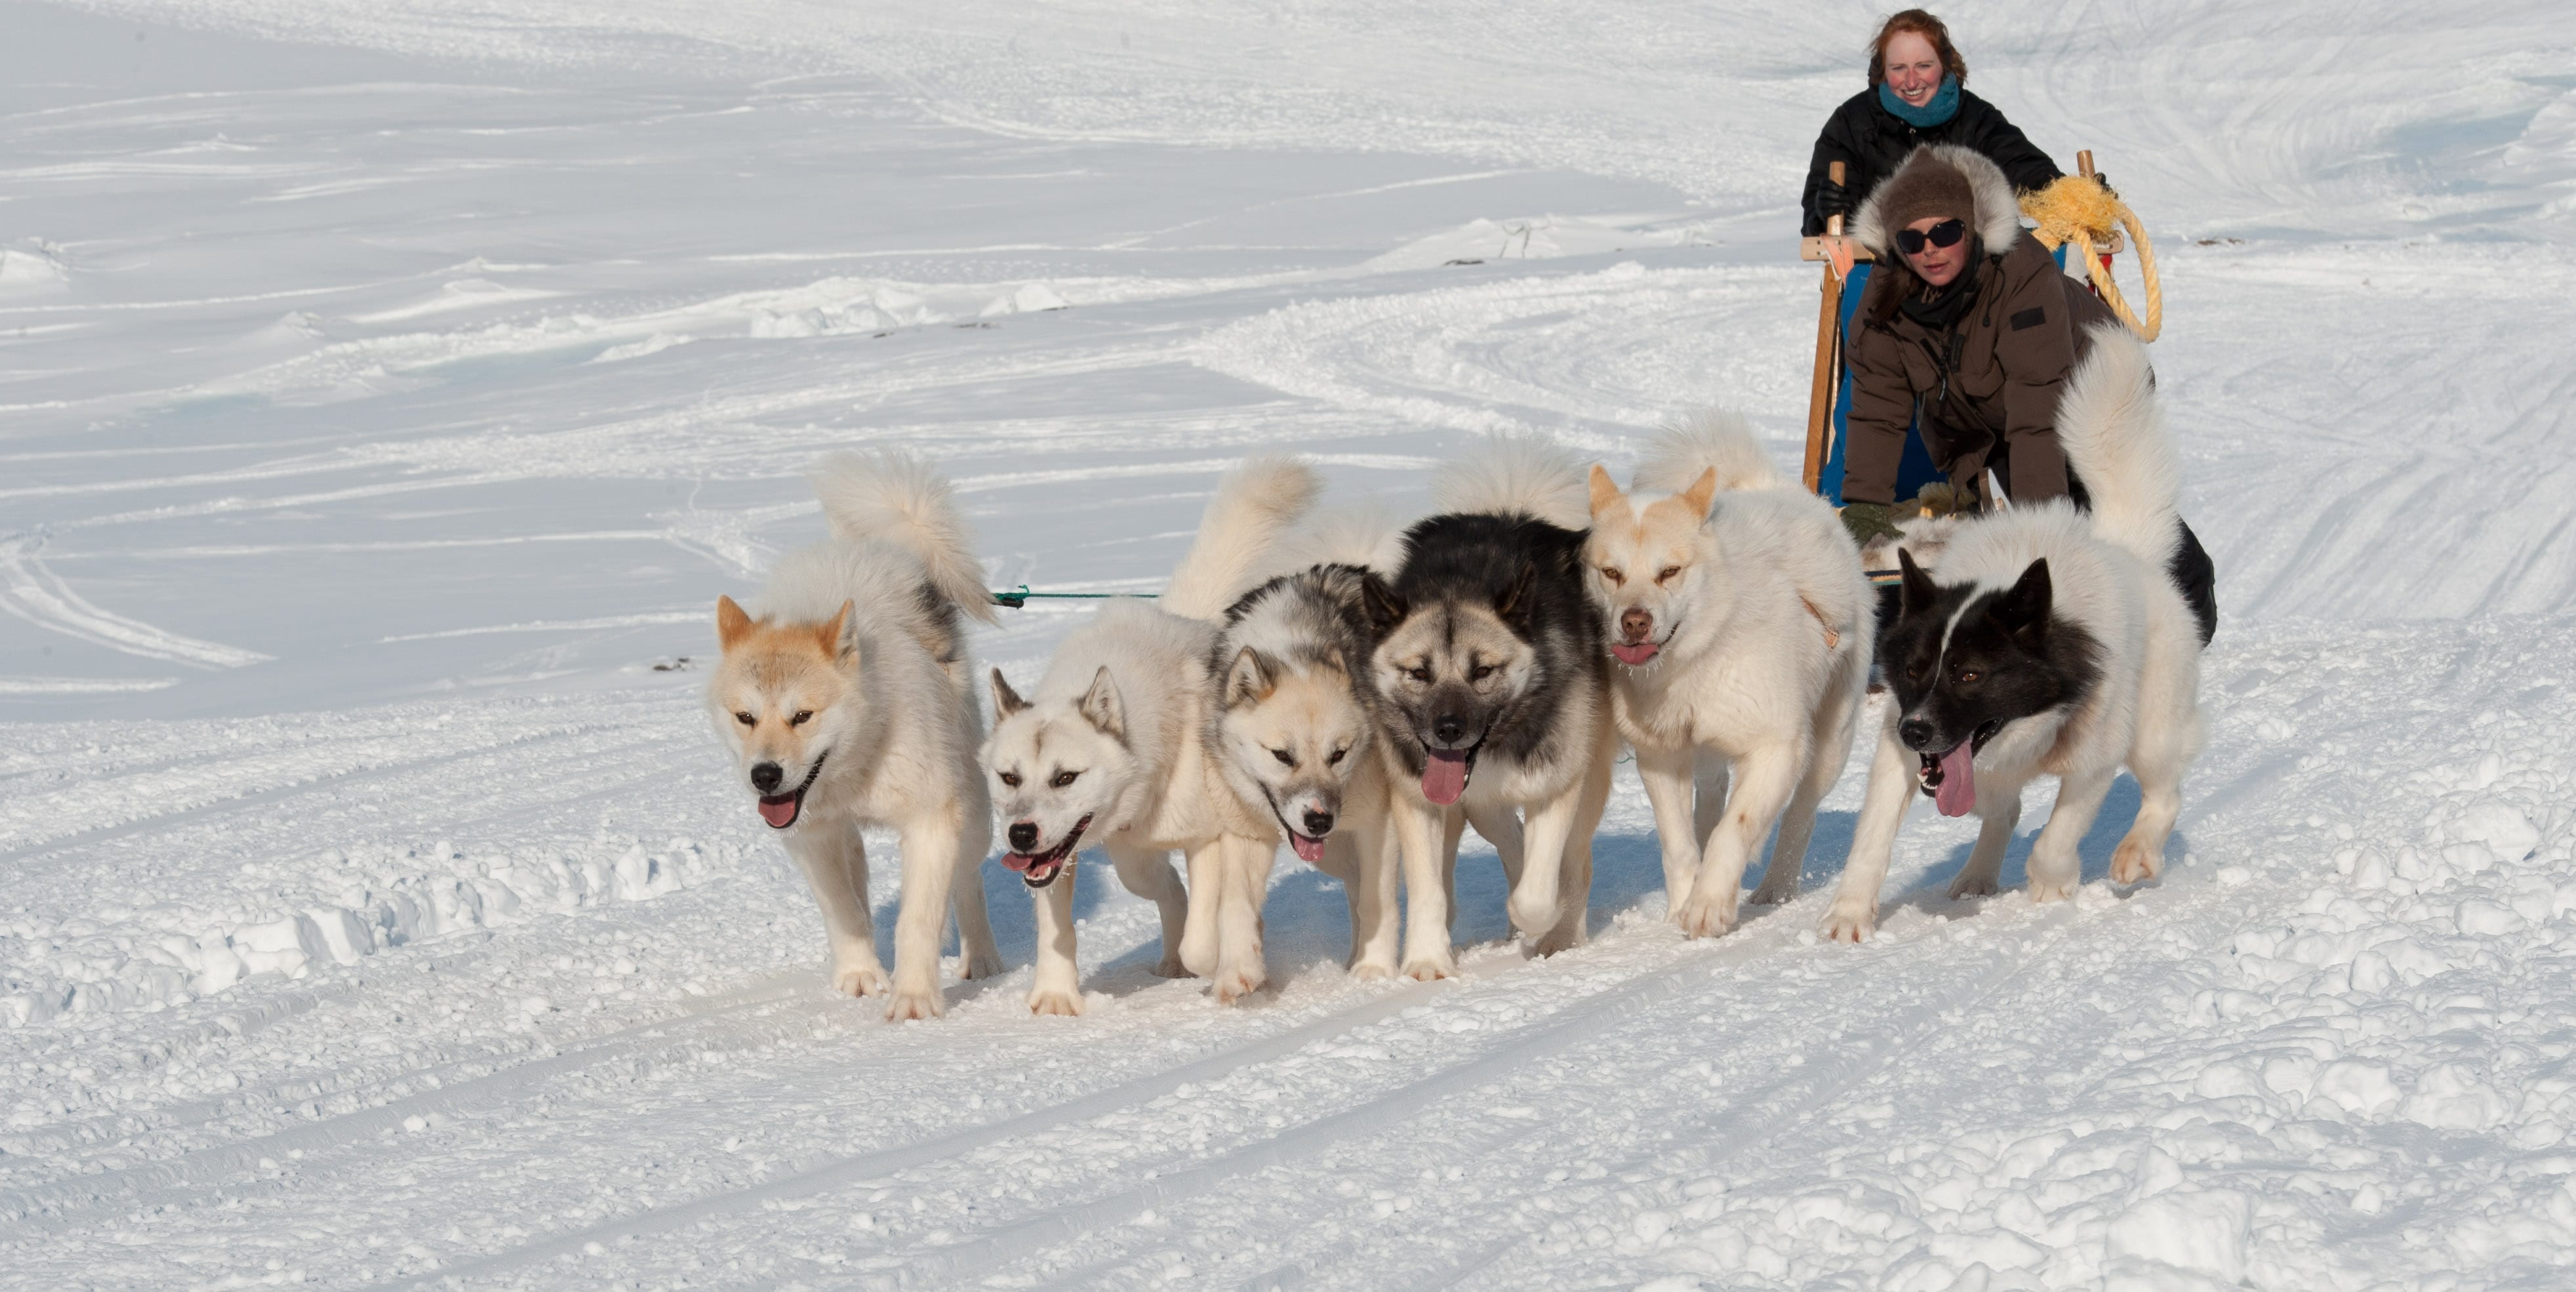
column 900, row 498
column 1363, row 534
column 2114, row 436
column 1240, row 537
column 1516, row 473
column 1710, row 439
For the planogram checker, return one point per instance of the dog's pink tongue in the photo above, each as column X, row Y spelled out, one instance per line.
column 780, row 810
column 1957, row 793
column 1635, row 655
column 1308, row 850
column 1444, row 778
column 1017, row 860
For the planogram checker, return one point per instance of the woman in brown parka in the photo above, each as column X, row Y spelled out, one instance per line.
column 1970, row 321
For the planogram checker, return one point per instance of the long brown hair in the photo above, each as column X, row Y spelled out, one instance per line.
column 1921, row 23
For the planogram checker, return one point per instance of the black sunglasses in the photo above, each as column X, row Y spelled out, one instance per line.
column 1945, row 234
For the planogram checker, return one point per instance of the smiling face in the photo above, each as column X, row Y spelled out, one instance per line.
column 781, row 698
column 1937, row 265
column 1057, row 770
column 1642, row 562
column 1912, row 67
column 1292, row 738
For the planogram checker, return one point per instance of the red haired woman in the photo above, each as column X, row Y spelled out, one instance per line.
column 1918, row 94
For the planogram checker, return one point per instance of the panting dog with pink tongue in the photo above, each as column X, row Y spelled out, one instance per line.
column 1491, row 692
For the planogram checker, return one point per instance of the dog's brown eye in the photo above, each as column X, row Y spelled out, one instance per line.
column 1665, row 575
column 1967, row 677
column 1614, row 574
column 1062, row 779
column 1482, row 671
column 1285, row 758
column 1011, row 779
column 1419, row 673
column 744, row 718
column 1335, row 757
column 802, row 717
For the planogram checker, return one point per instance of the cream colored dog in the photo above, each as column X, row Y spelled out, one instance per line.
column 1741, row 622
column 846, row 705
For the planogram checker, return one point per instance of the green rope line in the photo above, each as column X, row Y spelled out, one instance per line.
column 1019, row 598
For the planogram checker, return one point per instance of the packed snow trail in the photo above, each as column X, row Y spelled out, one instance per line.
column 387, row 391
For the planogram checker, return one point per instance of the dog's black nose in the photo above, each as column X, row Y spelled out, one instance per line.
column 1024, row 836
column 1318, row 824
column 1915, row 732
column 766, row 776
column 1448, row 729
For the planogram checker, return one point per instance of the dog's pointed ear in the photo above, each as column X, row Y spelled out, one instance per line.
column 1918, row 591
column 1702, row 492
column 1005, row 700
column 2023, row 611
column 1513, row 604
column 732, row 625
column 833, row 637
column 1384, row 609
column 1250, row 679
column 1102, row 707
column 1604, row 490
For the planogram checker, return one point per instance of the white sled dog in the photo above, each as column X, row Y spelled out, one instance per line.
column 1735, row 605
column 847, row 704
column 1492, row 692
column 2052, row 642
column 1109, row 749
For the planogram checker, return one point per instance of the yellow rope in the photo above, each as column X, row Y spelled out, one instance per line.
column 2077, row 210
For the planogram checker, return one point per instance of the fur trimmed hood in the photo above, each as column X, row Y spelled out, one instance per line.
column 1996, row 216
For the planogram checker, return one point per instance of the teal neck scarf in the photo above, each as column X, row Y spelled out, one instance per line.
column 1944, row 104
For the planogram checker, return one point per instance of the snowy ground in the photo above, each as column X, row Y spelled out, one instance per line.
column 387, row 390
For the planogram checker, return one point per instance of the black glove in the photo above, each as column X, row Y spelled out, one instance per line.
column 1833, row 199
column 1868, row 520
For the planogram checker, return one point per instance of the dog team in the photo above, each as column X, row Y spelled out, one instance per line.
column 1364, row 692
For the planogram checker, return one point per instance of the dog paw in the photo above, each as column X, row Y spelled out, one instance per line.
column 1372, row 971
column 1845, row 924
column 1056, row 1002
column 983, row 964
column 1198, row 957
column 1171, row 967
column 1705, row 917
column 861, row 978
column 1771, row 895
column 1234, row 984
column 2133, row 864
column 914, row 1005
column 2051, row 891
column 1428, row 968
column 1531, row 917
column 1972, row 886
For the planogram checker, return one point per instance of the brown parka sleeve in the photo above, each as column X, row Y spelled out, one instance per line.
column 1881, row 407
column 2035, row 346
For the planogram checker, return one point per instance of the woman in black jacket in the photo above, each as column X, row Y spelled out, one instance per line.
column 1917, row 95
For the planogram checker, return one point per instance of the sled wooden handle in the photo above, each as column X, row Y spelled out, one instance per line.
column 1820, row 396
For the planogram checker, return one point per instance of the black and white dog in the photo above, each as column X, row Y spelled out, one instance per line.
column 2050, row 641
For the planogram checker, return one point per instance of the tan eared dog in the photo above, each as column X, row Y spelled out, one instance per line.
column 1735, row 606
column 845, row 704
